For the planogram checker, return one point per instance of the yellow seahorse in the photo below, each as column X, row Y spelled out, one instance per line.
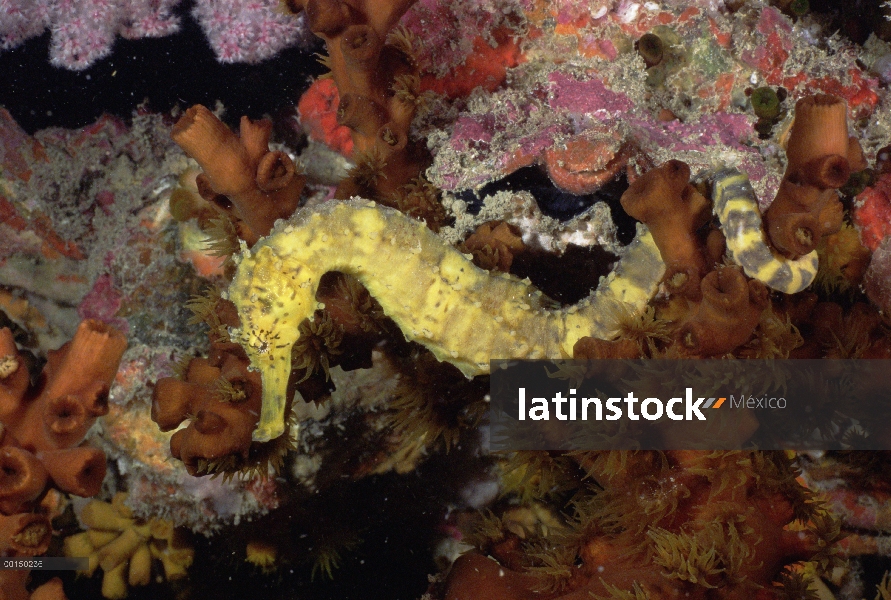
column 462, row 314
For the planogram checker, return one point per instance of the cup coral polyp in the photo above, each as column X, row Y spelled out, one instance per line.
column 664, row 525
column 40, row 441
column 379, row 89
column 820, row 157
column 242, row 176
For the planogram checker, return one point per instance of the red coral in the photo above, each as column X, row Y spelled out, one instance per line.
column 485, row 67
column 872, row 212
column 318, row 115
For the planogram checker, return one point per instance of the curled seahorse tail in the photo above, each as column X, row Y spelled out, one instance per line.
column 736, row 207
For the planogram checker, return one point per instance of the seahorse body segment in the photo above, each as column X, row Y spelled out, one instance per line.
column 464, row 315
column 736, row 206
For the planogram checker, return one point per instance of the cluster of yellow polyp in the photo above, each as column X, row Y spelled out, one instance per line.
column 124, row 547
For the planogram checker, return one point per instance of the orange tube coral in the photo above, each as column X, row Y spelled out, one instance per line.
column 43, row 427
column 13, row 582
column 23, row 479
column 78, row 471
column 242, row 177
column 727, row 315
column 76, row 380
column 377, row 82
column 25, row 534
column 224, row 398
column 673, row 210
column 820, row 129
column 821, row 158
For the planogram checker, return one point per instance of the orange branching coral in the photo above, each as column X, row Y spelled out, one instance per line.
column 242, row 176
column 494, row 245
column 660, row 525
column 43, row 427
column 821, row 157
column 50, row 420
column 124, row 546
column 222, row 399
column 727, row 315
column 23, row 481
column 674, row 210
column 379, row 88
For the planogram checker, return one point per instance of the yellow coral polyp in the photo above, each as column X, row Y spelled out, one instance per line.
column 261, row 555
column 464, row 315
column 124, row 546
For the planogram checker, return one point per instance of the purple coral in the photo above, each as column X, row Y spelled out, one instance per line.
column 83, row 31
column 247, row 30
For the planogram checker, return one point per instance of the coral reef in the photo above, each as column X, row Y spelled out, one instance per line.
column 591, row 176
